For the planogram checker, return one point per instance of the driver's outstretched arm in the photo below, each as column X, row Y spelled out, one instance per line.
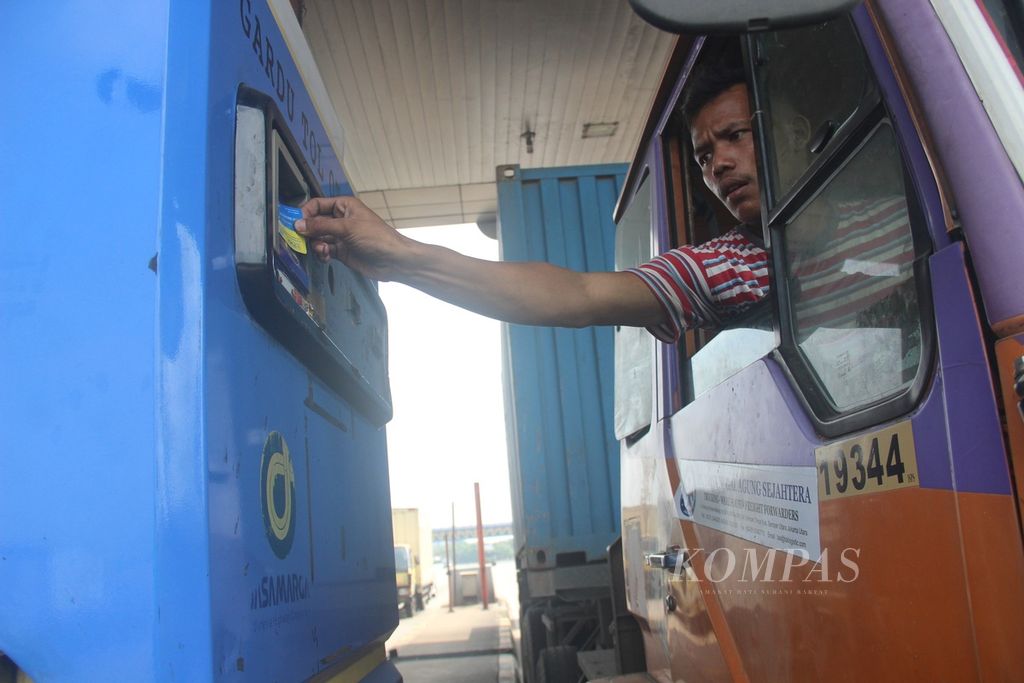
column 530, row 293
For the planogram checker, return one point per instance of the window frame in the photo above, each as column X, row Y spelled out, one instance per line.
column 645, row 178
column 679, row 201
column 848, row 140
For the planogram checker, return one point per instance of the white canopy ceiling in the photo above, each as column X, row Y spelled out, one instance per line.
column 435, row 94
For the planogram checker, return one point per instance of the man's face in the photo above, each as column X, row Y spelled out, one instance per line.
column 724, row 149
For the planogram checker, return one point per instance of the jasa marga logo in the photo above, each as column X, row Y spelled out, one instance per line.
column 277, row 487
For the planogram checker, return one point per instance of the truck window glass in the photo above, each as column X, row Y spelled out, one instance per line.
column 849, row 272
column 849, row 267
column 633, row 345
column 812, row 80
column 733, row 348
column 401, row 559
column 1007, row 17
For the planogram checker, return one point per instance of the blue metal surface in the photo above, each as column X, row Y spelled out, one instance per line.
column 563, row 458
column 80, row 185
column 137, row 404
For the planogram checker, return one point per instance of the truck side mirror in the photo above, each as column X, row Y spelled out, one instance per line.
column 736, row 16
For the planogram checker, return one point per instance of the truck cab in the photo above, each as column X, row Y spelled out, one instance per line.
column 414, row 559
column 822, row 488
column 403, row 580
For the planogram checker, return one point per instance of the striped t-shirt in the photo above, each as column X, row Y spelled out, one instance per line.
column 705, row 285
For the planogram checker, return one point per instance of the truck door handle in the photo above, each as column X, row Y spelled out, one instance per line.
column 668, row 560
column 821, row 137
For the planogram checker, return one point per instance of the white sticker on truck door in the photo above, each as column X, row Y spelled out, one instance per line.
column 768, row 504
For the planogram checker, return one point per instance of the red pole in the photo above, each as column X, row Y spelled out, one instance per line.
column 480, row 546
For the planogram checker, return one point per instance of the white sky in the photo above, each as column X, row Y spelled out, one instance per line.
column 449, row 425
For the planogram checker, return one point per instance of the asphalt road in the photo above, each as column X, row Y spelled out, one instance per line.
column 466, row 645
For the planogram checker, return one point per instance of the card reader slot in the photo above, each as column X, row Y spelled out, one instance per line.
column 289, row 189
column 328, row 316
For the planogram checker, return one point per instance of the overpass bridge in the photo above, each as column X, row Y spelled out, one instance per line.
column 464, row 532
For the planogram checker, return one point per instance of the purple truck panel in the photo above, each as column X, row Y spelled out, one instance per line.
column 752, row 417
column 988, row 192
column 975, row 434
column 930, row 443
column 774, row 430
column 921, row 175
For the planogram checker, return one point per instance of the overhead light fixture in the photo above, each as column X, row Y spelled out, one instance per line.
column 600, row 130
column 528, row 135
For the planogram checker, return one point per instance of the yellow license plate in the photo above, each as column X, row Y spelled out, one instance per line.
column 882, row 460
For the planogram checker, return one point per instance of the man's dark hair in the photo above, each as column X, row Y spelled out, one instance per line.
column 708, row 81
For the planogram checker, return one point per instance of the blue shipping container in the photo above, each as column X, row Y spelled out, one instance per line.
column 563, row 456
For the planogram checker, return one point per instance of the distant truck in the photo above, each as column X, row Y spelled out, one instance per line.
column 563, row 456
column 414, row 559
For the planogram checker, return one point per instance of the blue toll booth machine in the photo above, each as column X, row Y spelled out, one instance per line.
column 193, row 480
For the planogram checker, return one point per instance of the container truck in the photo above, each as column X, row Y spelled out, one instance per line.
column 195, row 480
column 414, row 559
column 827, row 487
column 563, row 458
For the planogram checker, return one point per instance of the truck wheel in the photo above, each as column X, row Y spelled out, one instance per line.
column 534, row 640
column 419, row 602
column 407, row 609
column 558, row 665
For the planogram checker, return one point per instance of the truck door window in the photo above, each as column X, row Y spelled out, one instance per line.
column 634, row 347
column 401, row 559
column 851, row 278
column 849, row 267
column 709, row 355
column 733, row 348
column 812, row 80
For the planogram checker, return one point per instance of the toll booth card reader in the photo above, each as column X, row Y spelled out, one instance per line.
column 325, row 314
